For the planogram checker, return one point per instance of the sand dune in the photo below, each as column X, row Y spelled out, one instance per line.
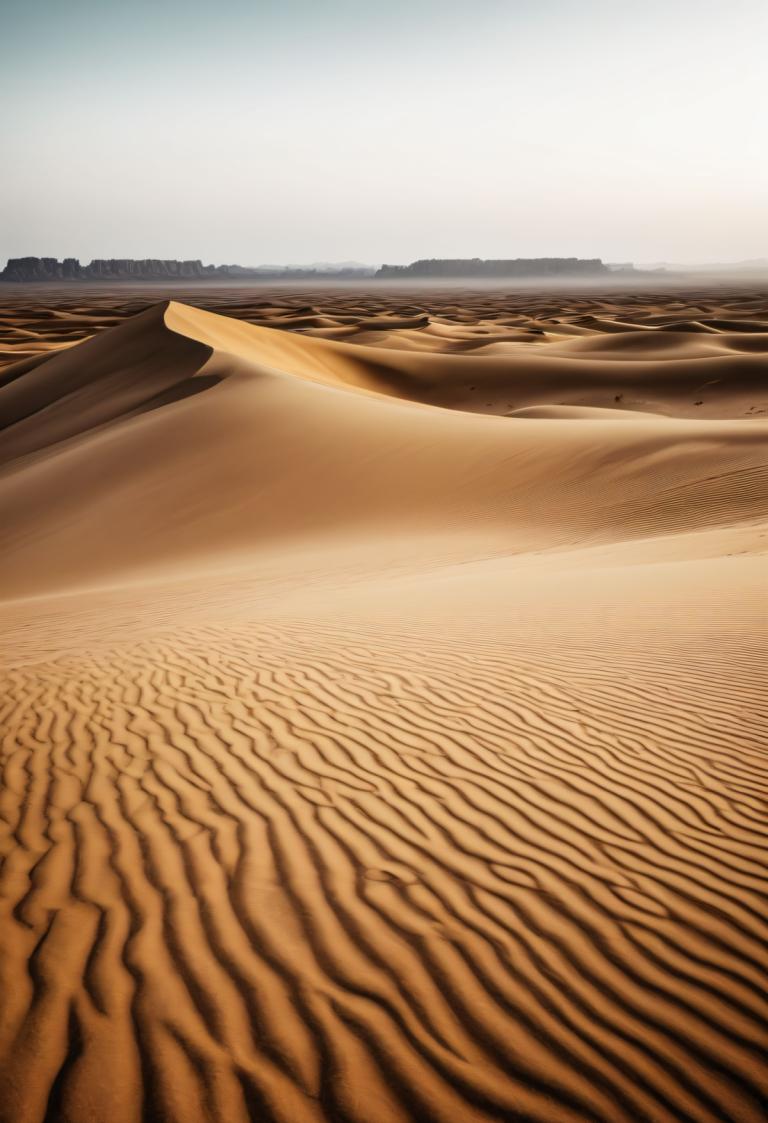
column 370, row 760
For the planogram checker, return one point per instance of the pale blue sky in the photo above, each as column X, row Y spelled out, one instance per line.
column 256, row 130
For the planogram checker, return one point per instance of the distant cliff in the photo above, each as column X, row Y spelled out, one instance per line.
column 25, row 269
column 513, row 267
column 106, row 269
column 30, row 269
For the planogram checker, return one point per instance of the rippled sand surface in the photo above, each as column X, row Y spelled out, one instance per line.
column 383, row 709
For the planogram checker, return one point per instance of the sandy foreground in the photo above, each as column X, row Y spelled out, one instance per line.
column 384, row 707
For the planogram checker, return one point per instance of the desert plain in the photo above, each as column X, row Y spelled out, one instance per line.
column 383, row 706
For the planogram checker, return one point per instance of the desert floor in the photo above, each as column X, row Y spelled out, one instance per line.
column 384, row 706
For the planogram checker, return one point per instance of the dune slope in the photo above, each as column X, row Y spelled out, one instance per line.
column 368, row 760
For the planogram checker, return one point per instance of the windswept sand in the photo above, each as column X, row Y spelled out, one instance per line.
column 368, row 760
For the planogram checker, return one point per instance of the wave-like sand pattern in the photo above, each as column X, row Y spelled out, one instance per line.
column 299, row 873
column 366, row 761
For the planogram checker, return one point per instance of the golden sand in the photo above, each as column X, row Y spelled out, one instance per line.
column 383, row 721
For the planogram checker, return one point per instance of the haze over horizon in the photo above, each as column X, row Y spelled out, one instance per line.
column 346, row 131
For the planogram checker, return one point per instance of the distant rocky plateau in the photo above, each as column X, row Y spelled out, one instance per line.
column 495, row 268
column 49, row 269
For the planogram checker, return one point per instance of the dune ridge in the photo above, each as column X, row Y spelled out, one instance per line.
column 365, row 759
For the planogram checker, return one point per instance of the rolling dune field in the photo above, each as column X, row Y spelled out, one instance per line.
column 383, row 728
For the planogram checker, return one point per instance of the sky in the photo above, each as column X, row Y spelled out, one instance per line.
column 291, row 131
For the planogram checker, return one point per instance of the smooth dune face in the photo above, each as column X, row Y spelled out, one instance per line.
column 370, row 760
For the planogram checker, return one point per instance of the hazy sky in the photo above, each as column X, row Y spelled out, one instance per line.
column 384, row 130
